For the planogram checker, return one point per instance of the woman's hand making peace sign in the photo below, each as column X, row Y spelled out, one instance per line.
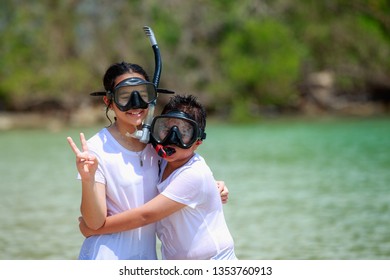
column 86, row 162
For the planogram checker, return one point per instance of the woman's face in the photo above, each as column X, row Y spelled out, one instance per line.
column 132, row 117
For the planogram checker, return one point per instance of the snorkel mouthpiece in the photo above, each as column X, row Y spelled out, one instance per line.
column 164, row 151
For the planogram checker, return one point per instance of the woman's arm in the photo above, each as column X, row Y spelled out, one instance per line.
column 153, row 211
column 93, row 204
column 93, row 195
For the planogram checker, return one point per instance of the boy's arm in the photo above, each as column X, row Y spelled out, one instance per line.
column 153, row 211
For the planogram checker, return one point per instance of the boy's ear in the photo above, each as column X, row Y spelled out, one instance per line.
column 196, row 145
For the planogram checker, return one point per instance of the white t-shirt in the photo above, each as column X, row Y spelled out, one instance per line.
column 199, row 230
column 128, row 185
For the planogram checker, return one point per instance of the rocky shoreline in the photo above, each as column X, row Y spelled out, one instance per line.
column 95, row 115
column 53, row 121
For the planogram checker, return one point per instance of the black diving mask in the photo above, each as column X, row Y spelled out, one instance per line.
column 133, row 93
column 175, row 128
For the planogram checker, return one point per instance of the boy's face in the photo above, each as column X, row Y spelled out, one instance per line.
column 185, row 128
column 182, row 154
column 186, row 131
column 175, row 128
column 175, row 132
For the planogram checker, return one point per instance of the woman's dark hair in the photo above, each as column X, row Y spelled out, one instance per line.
column 118, row 69
column 114, row 71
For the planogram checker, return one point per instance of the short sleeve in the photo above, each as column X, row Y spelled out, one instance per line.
column 186, row 188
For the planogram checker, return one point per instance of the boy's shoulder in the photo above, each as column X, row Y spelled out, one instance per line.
column 197, row 166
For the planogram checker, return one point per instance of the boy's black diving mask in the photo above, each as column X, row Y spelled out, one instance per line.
column 175, row 128
column 133, row 93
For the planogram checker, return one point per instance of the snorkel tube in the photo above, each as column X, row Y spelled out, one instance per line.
column 144, row 138
column 144, row 134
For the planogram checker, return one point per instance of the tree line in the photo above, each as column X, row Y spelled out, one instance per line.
column 240, row 57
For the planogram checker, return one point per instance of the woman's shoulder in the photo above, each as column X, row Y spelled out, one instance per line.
column 98, row 135
column 100, row 139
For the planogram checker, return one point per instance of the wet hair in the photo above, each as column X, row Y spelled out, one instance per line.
column 187, row 104
column 116, row 70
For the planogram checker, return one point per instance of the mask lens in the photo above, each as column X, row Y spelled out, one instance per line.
column 163, row 127
column 146, row 92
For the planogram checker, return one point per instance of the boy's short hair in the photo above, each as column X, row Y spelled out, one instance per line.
column 187, row 104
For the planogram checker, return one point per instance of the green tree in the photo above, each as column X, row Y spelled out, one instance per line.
column 261, row 62
column 237, row 56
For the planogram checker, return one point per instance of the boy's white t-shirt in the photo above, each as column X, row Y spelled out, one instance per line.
column 128, row 185
column 198, row 231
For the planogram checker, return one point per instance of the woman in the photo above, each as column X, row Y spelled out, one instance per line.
column 191, row 224
column 117, row 171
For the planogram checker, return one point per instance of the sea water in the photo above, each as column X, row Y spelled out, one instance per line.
column 299, row 189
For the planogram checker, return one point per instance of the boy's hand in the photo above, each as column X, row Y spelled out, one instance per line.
column 224, row 191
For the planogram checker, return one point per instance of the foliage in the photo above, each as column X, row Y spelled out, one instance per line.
column 261, row 61
column 238, row 56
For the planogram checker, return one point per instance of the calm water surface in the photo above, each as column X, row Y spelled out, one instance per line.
column 298, row 189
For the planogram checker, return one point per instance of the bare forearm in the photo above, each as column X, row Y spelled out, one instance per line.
column 127, row 220
column 93, row 204
column 155, row 210
column 151, row 212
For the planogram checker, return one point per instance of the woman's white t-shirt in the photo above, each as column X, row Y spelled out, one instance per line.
column 128, row 185
column 198, row 231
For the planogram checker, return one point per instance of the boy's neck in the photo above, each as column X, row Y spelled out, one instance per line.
column 173, row 165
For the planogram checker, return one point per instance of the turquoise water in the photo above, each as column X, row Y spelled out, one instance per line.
column 299, row 189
